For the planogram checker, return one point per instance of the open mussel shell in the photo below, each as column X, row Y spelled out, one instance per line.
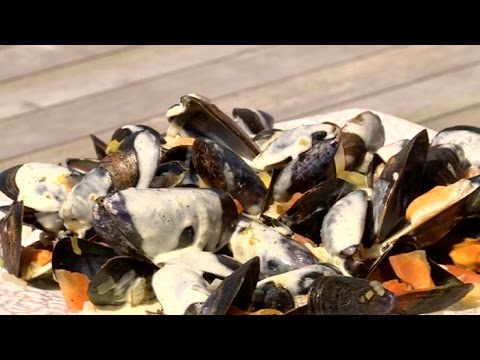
column 354, row 150
column 169, row 174
column 312, row 167
column 7, row 182
column 303, row 156
column 196, row 116
column 18, row 245
column 146, row 223
column 278, row 253
column 445, row 165
column 191, row 278
column 252, row 120
column 344, row 295
column 264, row 137
column 223, row 169
column 41, row 186
column 466, row 137
column 122, row 280
column 11, row 238
column 235, row 290
column 78, row 255
column 81, row 165
column 396, row 187
column 279, row 291
column 466, row 228
column 100, row 147
column 183, row 155
column 305, row 217
column 380, row 269
column 447, row 292
column 430, row 231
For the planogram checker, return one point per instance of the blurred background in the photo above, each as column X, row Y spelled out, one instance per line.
column 53, row 96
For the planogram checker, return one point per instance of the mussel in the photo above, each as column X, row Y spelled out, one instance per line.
column 158, row 224
column 223, row 169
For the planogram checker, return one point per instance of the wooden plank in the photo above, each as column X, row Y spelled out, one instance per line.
column 106, row 73
column 25, row 59
column 425, row 99
column 336, row 88
column 466, row 116
column 109, row 110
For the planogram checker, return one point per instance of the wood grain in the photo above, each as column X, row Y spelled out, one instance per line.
column 108, row 110
column 98, row 75
column 469, row 115
column 366, row 83
column 21, row 60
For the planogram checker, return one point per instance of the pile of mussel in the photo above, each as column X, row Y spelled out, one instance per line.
column 229, row 215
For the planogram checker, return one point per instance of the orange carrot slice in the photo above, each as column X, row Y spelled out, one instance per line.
column 294, row 199
column 466, row 254
column 39, row 256
column 396, row 286
column 464, row 275
column 413, row 268
column 432, row 202
column 74, row 287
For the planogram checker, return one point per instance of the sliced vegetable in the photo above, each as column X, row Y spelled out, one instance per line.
column 396, row 286
column 413, row 268
column 439, row 198
column 74, row 287
column 467, row 254
column 294, row 199
column 39, row 256
column 464, row 275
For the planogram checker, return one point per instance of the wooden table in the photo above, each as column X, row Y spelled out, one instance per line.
column 52, row 97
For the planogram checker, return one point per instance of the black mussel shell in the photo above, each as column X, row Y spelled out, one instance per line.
column 235, row 290
column 223, row 169
column 78, row 255
column 11, row 238
column 397, row 186
column 344, row 295
column 122, row 280
column 305, row 217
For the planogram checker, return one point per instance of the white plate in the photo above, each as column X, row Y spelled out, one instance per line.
column 17, row 299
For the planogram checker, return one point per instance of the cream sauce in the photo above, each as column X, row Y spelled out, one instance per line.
column 277, row 253
column 76, row 210
column 369, row 128
column 390, row 150
column 175, row 110
column 297, row 281
column 344, row 223
column 161, row 215
column 147, row 150
column 290, row 144
column 179, row 283
column 42, row 187
column 469, row 141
